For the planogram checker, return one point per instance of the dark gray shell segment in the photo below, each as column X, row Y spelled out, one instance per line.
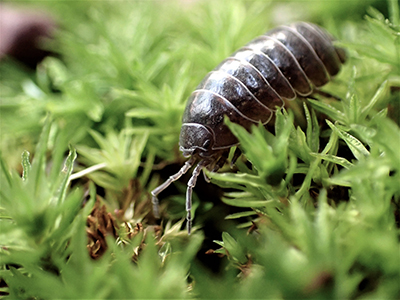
column 271, row 73
column 322, row 43
column 235, row 92
column 207, row 108
column 285, row 61
column 254, row 81
column 303, row 52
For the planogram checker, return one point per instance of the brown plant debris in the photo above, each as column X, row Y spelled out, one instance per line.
column 99, row 224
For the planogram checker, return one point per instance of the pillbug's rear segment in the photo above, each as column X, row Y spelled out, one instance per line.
column 248, row 87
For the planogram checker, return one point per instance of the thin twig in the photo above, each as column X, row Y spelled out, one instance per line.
column 87, row 171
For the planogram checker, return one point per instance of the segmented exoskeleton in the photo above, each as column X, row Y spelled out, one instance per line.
column 248, row 87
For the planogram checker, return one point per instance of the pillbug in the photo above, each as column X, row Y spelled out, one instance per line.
column 247, row 87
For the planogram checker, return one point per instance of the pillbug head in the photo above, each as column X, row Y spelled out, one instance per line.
column 196, row 139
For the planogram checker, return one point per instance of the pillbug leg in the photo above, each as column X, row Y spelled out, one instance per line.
column 220, row 162
column 217, row 165
column 156, row 207
column 235, row 157
column 206, row 178
column 156, row 210
column 191, row 184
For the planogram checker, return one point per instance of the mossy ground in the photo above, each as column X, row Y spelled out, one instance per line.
column 311, row 210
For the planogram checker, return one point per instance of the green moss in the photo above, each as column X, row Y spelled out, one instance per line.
column 311, row 209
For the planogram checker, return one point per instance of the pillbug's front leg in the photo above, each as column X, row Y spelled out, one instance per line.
column 191, row 184
column 156, row 210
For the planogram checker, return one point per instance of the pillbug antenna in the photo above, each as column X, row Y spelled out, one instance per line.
column 191, row 184
column 156, row 209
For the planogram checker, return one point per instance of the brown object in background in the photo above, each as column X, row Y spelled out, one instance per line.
column 21, row 32
column 99, row 224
